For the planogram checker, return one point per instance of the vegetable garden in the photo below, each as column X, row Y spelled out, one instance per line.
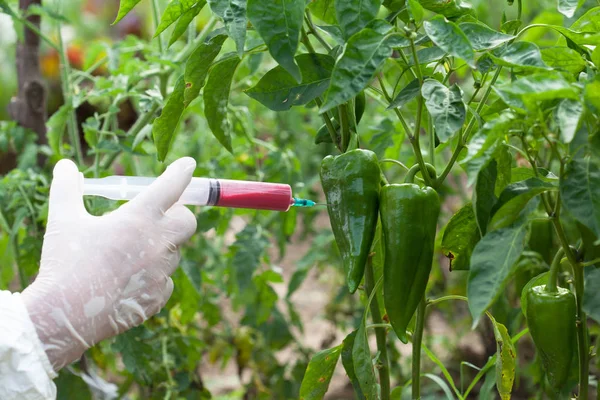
column 455, row 144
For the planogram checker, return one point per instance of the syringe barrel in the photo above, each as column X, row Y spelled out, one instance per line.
column 201, row 192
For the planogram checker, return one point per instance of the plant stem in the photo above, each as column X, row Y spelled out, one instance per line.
column 431, row 302
column 465, row 136
column 328, row 124
column 416, row 349
column 313, row 31
column 380, row 332
column 415, row 137
column 552, row 285
column 582, row 335
column 390, row 160
column 66, row 88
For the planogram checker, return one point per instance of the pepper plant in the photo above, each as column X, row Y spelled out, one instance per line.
column 500, row 110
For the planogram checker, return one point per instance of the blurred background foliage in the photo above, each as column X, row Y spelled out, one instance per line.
column 243, row 295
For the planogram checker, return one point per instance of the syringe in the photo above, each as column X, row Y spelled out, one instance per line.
column 204, row 192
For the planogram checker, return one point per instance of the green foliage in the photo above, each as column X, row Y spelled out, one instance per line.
column 510, row 93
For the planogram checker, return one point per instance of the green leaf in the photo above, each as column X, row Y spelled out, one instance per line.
column 591, row 296
column 445, row 106
column 460, row 237
column 185, row 20
column 491, row 264
column 592, row 95
column 174, row 10
column 135, row 353
column 278, row 22
column 564, row 59
column 427, row 55
column 163, row 128
column 484, row 197
column 568, row 7
column 56, row 127
column 449, row 37
column 524, row 55
column 415, row 9
column 354, row 69
column 279, row 91
column 567, row 115
column 198, row 64
column 588, row 22
column 578, row 37
column 506, row 356
column 483, row 37
column 448, row 8
column 233, row 14
column 442, row 385
column 216, row 98
column 580, row 191
column 408, row 92
column 124, row 7
column 525, row 92
column 363, row 364
column 354, row 15
column 348, row 363
column 514, row 198
column 318, row 373
column 324, row 10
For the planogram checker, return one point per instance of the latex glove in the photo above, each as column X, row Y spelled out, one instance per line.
column 100, row 276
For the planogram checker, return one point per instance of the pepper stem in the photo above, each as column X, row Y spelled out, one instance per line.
column 552, row 285
column 410, row 175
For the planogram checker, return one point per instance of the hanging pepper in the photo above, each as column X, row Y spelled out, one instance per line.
column 409, row 216
column 351, row 185
column 551, row 317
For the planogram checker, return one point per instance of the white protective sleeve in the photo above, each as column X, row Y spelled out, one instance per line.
column 25, row 371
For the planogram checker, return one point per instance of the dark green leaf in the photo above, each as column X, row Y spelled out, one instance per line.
column 216, row 98
column 279, row 22
column 173, row 12
column 524, row 55
column 279, row 91
column 460, row 237
column 362, row 56
column 482, row 37
column 318, row 373
column 324, row 10
column 445, row 106
column 163, row 128
column 185, row 20
column 408, row 92
column 568, row 7
column 506, row 355
column 363, row 364
column 492, row 262
column 563, row 58
column 591, row 296
column 526, row 91
column 70, row 386
column 233, row 14
column 124, row 7
column 448, row 36
column 514, row 198
column 448, row 8
column 248, row 249
column 323, row 135
column 484, row 197
column 198, row 64
column 427, row 55
column 135, row 353
column 580, row 191
column 348, row 362
column 354, row 15
column 568, row 113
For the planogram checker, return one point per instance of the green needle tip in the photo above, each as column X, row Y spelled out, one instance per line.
column 303, row 203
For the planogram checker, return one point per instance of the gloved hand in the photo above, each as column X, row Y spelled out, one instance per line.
column 100, row 276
